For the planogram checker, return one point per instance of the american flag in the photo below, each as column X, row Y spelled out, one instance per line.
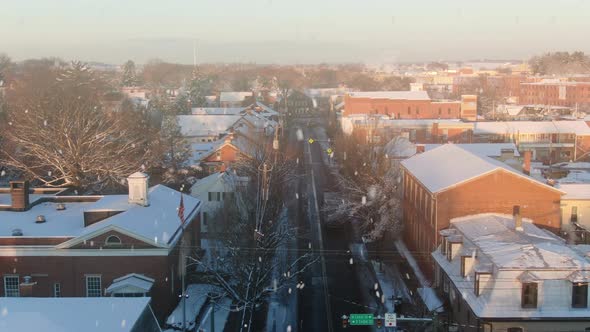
column 181, row 209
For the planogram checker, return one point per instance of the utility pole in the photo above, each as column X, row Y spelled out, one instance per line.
column 183, row 295
column 213, row 316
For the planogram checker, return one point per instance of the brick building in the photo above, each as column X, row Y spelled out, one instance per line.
column 556, row 93
column 550, row 141
column 93, row 246
column 449, row 182
column 380, row 130
column 400, row 105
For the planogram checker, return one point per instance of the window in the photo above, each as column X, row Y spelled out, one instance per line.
column 113, row 240
column 439, row 111
column 93, row 286
column 57, row 289
column 205, row 217
column 214, row 196
column 11, row 287
column 574, row 216
column 529, row 295
column 580, row 295
column 514, row 329
column 409, row 110
column 476, row 284
column 449, row 111
column 417, row 110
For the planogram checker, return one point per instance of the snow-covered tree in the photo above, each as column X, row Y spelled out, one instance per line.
column 253, row 230
column 199, row 87
column 369, row 189
column 129, row 76
column 61, row 136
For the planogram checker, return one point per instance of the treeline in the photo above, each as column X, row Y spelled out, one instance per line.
column 560, row 63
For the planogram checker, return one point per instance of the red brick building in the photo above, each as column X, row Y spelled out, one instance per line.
column 92, row 246
column 400, row 105
column 556, row 93
column 449, row 182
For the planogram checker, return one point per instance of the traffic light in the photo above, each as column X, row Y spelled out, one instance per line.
column 344, row 321
column 379, row 321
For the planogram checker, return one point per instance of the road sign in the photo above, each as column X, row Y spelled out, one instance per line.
column 361, row 319
column 329, row 151
column 311, row 140
column 390, row 320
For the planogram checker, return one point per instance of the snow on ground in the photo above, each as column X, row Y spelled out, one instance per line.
column 430, row 299
column 197, row 296
column 391, row 284
column 403, row 250
column 221, row 314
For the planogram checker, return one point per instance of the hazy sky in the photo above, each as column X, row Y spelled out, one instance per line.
column 298, row 31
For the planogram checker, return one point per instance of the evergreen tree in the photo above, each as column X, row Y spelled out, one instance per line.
column 129, row 75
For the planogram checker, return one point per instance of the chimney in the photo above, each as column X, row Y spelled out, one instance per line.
column 517, row 218
column 19, row 194
column 420, row 148
column 434, row 132
column 26, row 287
column 138, row 188
column 229, row 137
column 526, row 165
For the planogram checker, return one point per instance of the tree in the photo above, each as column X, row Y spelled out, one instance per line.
column 129, row 76
column 369, row 190
column 560, row 63
column 5, row 65
column 199, row 88
column 437, row 66
column 61, row 136
column 175, row 150
column 253, row 231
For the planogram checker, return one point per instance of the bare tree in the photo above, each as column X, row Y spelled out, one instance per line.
column 62, row 137
column 253, row 230
column 369, row 186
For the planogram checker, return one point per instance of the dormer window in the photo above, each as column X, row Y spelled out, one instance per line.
column 113, row 240
column 529, row 295
column 579, row 295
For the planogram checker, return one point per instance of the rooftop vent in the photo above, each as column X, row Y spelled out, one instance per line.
column 40, row 219
column 60, row 207
column 17, row 232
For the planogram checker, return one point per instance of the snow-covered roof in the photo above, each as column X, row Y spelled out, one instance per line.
column 513, row 257
column 156, row 223
column 217, row 110
column 407, row 95
column 197, row 296
column 494, row 235
column 326, row 92
column 133, row 280
column 454, row 165
column 64, row 314
column 202, row 150
column 234, row 96
column 399, row 147
column 206, row 125
column 579, row 128
column 575, row 191
column 482, row 149
column 223, row 181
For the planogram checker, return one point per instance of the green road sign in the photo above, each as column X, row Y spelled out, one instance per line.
column 361, row 319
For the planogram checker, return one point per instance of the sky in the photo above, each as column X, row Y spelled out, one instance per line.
column 291, row 31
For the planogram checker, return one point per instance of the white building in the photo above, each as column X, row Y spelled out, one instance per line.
column 502, row 273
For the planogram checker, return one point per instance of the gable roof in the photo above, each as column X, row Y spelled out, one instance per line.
column 157, row 224
column 450, row 165
column 206, row 125
column 234, row 96
column 138, row 281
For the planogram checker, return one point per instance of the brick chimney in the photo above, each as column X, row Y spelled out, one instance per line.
column 526, row 165
column 19, row 194
column 517, row 218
